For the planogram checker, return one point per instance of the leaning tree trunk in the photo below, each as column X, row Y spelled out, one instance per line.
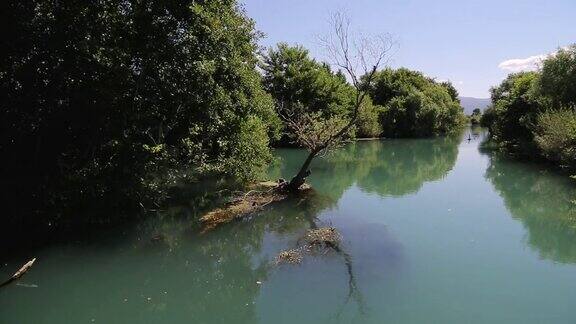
column 300, row 178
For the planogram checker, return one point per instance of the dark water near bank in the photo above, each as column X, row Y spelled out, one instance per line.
column 437, row 231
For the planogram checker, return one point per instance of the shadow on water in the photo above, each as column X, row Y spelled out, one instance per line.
column 136, row 279
column 543, row 199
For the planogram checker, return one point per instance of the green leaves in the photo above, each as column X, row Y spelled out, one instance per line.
column 414, row 104
column 557, row 80
column 555, row 135
column 173, row 85
column 533, row 112
column 514, row 108
column 292, row 77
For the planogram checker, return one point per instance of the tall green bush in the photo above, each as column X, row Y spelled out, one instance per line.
column 555, row 135
column 557, row 81
column 515, row 109
column 368, row 124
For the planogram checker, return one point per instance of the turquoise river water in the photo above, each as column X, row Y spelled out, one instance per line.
column 433, row 230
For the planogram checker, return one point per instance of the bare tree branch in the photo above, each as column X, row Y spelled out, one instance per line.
column 359, row 57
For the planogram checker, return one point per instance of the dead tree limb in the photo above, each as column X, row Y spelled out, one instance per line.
column 353, row 56
column 20, row 272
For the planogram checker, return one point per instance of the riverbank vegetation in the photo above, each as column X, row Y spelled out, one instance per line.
column 475, row 117
column 109, row 107
column 534, row 113
column 415, row 105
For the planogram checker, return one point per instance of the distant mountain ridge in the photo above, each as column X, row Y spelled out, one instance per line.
column 470, row 103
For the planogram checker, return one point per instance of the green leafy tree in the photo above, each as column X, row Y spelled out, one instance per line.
column 534, row 112
column 557, row 81
column 451, row 90
column 476, row 116
column 488, row 118
column 368, row 124
column 414, row 105
column 108, row 100
column 514, row 109
column 306, row 86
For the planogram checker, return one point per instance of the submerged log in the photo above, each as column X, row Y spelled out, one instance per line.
column 20, row 272
column 260, row 195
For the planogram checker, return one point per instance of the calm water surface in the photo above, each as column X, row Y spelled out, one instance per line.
column 436, row 230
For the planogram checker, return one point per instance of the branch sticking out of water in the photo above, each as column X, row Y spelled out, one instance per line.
column 20, row 272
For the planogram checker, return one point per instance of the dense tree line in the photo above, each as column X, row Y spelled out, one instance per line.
column 402, row 103
column 295, row 79
column 534, row 113
column 414, row 105
column 110, row 103
column 111, row 99
column 475, row 117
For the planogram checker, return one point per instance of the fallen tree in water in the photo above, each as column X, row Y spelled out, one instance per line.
column 319, row 133
column 321, row 240
column 20, row 272
column 259, row 196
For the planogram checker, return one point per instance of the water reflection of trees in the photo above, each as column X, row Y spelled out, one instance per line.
column 542, row 201
column 388, row 168
column 224, row 266
column 408, row 164
column 213, row 277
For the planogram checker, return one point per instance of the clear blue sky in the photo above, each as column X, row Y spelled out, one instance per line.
column 464, row 41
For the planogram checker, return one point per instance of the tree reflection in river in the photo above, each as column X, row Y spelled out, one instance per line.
column 140, row 273
column 388, row 168
column 542, row 201
column 408, row 164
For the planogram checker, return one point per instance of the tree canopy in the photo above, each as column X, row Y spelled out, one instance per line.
column 291, row 76
column 112, row 103
column 534, row 113
column 112, row 98
column 415, row 105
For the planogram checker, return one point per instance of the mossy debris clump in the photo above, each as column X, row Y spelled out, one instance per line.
column 322, row 236
column 293, row 256
column 315, row 239
column 259, row 196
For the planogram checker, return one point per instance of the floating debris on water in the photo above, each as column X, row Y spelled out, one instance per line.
column 293, row 256
column 323, row 236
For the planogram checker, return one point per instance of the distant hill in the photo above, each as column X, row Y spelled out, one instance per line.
column 470, row 104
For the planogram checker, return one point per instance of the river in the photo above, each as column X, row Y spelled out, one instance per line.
column 436, row 231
